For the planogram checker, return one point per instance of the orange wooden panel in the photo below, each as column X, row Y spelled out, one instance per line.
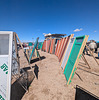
column 53, row 48
column 63, row 45
column 63, row 41
column 64, row 48
column 59, row 46
column 48, row 45
column 56, row 47
column 43, row 45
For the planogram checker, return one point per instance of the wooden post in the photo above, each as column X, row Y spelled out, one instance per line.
column 20, row 42
column 22, row 47
column 85, row 60
column 92, row 54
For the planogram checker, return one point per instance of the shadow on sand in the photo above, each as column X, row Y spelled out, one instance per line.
column 88, row 71
column 19, row 87
column 82, row 94
column 97, row 57
column 84, row 66
column 37, row 59
column 36, row 70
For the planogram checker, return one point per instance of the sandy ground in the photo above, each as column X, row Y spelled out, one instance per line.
column 51, row 82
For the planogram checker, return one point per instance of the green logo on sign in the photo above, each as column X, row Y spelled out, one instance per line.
column 4, row 67
column 1, row 98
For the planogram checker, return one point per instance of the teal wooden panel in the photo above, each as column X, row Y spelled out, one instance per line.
column 30, row 44
column 40, row 45
column 35, row 46
column 73, row 56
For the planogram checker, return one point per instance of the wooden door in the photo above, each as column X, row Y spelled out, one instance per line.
column 67, row 53
column 73, row 60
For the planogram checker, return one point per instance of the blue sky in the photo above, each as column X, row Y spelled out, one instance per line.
column 31, row 18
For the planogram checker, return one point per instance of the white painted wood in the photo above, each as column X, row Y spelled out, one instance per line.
column 5, row 64
column 67, row 53
column 8, row 64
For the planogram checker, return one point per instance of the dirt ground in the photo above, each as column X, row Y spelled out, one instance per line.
column 50, row 83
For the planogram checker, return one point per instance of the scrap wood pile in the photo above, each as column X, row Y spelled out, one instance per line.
column 68, row 50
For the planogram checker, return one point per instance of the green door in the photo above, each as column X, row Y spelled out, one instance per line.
column 70, row 68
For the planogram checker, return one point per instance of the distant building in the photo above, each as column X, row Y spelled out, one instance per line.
column 54, row 35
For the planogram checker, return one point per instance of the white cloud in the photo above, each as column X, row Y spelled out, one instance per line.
column 44, row 33
column 95, row 31
column 77, row 30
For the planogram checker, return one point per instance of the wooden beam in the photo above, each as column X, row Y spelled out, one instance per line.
column 20, row 42
column 86, row 61
column 22, row 47
column 92, row 54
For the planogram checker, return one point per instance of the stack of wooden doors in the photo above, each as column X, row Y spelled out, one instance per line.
column 52, row 47
column 72, row 55
column 49, row 45
column 62, row 46
column 68, row 50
